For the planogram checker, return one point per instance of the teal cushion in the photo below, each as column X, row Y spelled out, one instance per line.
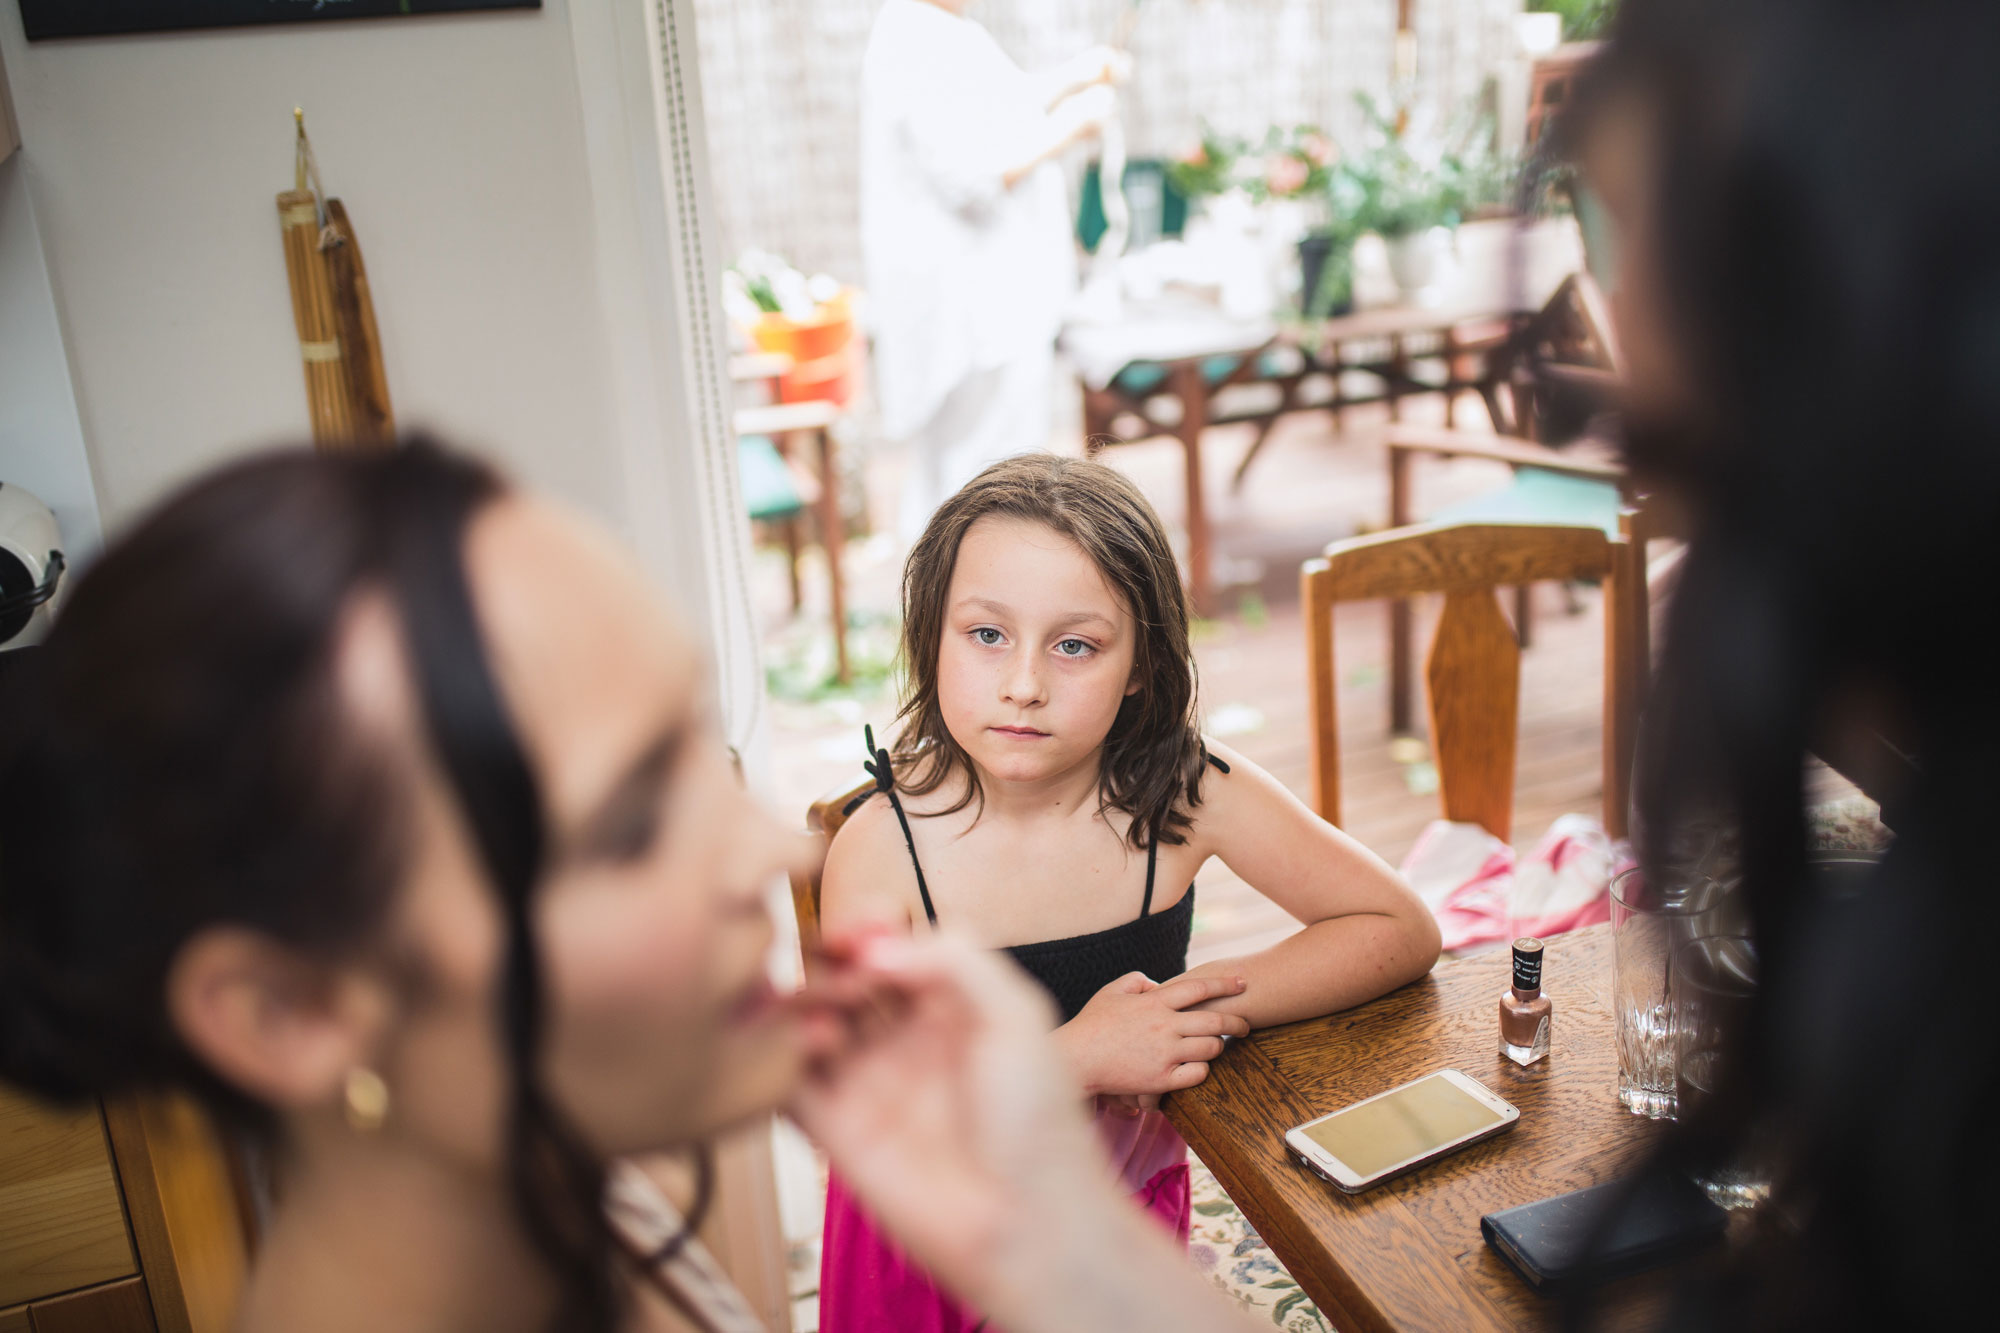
column 1144, row 377
column 1537, row 496
column 768, row 491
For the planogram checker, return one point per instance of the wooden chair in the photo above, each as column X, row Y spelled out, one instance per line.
column 823, row 817
column 1561, row 362
column 1473, row 672
column 792, row 429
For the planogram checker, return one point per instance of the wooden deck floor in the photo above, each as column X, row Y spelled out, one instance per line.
column 1311, row 485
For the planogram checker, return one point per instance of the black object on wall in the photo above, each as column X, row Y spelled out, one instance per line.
column 95, row 18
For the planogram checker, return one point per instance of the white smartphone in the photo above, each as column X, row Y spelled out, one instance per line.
column 1394, row 1131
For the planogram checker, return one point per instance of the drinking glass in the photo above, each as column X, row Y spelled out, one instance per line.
column 1649, row 920
column 1714, row 985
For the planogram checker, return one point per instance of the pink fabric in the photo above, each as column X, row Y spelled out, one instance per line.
column 1480, row 893
column 868, row 1285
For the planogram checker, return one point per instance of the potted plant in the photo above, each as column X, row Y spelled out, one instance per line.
column 1412, row 190
column 1582, row 20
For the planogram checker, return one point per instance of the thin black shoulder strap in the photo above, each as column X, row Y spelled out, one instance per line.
column 1153, row 848
column 885, row 782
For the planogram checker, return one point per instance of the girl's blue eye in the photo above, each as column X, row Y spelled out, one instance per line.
column 1072, row 648
column 987, row 636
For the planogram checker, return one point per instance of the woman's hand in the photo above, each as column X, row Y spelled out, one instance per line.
column 937, row 1095
column 1085, row 69
column 1137, row 1037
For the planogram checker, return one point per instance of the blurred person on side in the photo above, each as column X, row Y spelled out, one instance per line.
column 382, row 808
column 1810, row 307
column 966, row 238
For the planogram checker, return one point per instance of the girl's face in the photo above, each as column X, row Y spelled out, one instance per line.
column 1036, row 654
column 661, row 1026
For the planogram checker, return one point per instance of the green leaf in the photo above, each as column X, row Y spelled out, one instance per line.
column 1215, row 1208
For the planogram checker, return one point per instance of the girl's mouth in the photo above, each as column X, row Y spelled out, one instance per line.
column 1024, row 733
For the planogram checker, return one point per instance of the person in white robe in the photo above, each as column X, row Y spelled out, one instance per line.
column 965, row 235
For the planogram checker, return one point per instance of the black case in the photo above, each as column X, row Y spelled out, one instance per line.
column 1554, row 1242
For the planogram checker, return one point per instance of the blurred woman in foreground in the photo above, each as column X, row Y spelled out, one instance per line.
column 1810, row 304
column 381, row 807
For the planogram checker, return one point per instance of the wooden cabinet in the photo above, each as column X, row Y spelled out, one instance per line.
column 121, row 1218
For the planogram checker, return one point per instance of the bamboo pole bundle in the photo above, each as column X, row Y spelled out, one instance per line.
column 360, row 349
column 347, row 391
column 318, row 324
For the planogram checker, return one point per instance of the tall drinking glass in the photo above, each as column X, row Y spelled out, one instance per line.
column 1650, row 918
column 1714, row 985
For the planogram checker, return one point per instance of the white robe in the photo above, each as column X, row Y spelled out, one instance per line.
column 967, row 280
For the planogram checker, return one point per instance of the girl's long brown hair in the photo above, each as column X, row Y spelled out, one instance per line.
column 1152, row 763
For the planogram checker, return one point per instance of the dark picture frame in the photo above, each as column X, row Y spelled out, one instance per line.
column 100, row 18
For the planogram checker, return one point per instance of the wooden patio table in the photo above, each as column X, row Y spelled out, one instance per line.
column 1408, row 1254
column 1387, row 343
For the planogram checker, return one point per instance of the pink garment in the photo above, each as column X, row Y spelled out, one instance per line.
column 1480, row 893
column 868, row 1285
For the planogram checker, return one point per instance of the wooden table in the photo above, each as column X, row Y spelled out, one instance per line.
column 1408, row 1254
column 1406, row 349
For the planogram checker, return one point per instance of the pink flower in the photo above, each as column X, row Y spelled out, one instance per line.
column 1196, row 156
column 1317, row 148
column 1285, row 175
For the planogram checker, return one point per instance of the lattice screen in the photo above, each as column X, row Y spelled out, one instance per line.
column 780, row 84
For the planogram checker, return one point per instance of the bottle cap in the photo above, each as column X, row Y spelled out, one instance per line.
column 1527, row 964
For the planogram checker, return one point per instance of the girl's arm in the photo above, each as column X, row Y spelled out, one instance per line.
column 1133, row 1036
column 1365, row 933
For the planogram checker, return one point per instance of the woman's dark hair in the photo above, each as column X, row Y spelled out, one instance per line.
column 1152, row 765
column 178, row 756
column 1825, row 182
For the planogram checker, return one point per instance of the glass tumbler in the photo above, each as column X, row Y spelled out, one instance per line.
column 1714, row 985
column 1649, row 920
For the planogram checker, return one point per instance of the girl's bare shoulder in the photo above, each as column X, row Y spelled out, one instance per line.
column 867, row 876
column 1231, row 788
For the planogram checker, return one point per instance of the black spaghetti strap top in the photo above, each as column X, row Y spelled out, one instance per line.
column 1072, row 970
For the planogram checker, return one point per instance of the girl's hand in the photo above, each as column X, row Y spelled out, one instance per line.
column 1139, row 1037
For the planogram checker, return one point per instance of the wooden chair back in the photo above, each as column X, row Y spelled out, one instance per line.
column 824, row 818
column 1473, row 672
column 1567, row 348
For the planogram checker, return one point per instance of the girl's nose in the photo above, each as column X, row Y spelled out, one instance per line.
column 1023, row 684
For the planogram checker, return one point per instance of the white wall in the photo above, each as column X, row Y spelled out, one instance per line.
column 41, row 440
column 458, row 145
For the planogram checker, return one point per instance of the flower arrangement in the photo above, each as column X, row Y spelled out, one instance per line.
column 1286, row 163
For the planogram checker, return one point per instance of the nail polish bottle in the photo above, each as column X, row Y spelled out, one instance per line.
column 1524, row 1010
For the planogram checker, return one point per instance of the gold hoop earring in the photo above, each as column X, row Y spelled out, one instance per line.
column 365, row 1099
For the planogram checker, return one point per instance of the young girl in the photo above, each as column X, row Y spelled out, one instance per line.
column 1051, row 795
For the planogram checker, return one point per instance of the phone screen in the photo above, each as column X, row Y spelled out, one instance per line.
column 1409, row 1122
